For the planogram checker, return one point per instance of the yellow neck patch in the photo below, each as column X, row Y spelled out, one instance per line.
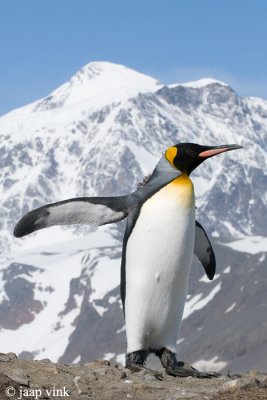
column 182, row 190
column 170, row 154
column 183, row 180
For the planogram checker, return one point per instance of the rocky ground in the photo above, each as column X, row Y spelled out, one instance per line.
column 27, row 380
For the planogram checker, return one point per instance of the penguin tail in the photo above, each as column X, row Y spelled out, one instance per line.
column 84, row 210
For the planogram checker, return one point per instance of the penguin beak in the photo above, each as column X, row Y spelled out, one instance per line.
column 214, row 150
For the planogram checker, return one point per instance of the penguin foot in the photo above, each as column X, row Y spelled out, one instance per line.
column 180, row 368
column 135, row 362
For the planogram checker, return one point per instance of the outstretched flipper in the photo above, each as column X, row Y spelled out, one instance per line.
column 84, row 210
column 95, row 210
column 204, row 252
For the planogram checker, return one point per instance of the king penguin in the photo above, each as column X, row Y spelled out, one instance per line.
column 160, row 239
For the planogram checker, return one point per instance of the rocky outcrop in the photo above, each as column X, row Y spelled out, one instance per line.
column 24, row 379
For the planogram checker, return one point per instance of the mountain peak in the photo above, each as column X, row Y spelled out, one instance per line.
column 99, row 68
column 101, row 83
column 199, row 83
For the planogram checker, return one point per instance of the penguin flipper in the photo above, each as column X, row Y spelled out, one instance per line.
column 204, row 252
column 84, row 210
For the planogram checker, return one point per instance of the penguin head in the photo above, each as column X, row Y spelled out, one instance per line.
column 187, row 156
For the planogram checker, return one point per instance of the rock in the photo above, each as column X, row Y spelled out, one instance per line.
column 19, row 375
column 229, row 384
column 34, row 386
column 149, row 377
column 7, row 386
column 76, row 382
column 104, row 380
column 233, row 376
column 254, row 382
column 101, row 371
column 3, row 357
column 103, row 362
column 11, row 356
column 20, row 380
column 7, row 357
column 242, row 383
column 122, row 375
column 155, row 375
column 4, row 379
column 263, row 382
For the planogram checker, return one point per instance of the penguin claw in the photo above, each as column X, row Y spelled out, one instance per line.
column 182, row 369
column 133, row 367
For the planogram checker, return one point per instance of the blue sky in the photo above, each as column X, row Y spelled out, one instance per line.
column 44, row 42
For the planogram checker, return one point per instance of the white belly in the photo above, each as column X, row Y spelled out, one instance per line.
column 158, row 260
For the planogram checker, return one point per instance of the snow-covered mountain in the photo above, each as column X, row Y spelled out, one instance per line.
column 99, row 134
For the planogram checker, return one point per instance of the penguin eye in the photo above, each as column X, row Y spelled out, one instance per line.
column 191, row 152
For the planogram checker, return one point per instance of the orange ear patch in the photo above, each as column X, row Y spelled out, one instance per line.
column 171, row 153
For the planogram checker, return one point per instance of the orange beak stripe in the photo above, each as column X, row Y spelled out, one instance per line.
column 213, row 152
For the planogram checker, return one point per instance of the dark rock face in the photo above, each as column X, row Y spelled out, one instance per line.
column 19, row 307
column 95, row 335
